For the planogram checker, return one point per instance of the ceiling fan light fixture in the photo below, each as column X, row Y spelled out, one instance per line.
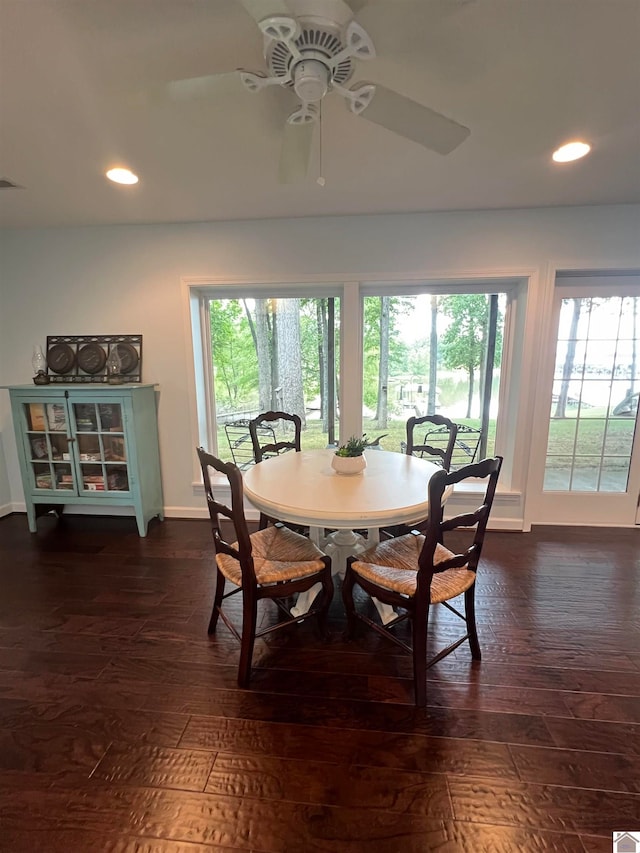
column 120, row 175
column 311, row 80
column 571, row 151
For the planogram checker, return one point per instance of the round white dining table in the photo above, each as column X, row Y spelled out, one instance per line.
column 303, row 488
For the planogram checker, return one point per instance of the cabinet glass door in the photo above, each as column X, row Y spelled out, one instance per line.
column 101, row 447
column 48, row 448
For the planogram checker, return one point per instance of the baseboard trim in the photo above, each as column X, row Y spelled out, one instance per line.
column 515, row 525
column 252, row 514
column 7, row 509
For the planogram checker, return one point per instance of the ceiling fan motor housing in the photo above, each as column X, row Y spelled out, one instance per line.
column 311, row 79
column 318, row 41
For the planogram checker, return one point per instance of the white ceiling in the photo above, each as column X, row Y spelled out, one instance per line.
column 80, row 79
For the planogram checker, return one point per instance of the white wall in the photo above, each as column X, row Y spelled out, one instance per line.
column 127, row 279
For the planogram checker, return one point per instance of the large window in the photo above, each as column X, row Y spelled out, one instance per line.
column 273, row 353
column 358, row 357
column 429, row 354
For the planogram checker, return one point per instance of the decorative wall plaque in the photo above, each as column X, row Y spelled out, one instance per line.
column 83, row 358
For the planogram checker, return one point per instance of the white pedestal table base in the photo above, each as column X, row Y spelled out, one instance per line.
column 339, row 545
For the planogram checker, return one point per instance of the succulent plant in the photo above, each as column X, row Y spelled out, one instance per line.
column 356, row 445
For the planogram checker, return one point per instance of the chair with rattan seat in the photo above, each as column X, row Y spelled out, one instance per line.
column 272, row 563
column 416, row 570
column 281, row 443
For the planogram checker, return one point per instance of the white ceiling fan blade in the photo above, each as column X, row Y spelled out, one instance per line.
column 192, row 88
column 295, row 152
column 414, row 121
column 261, row 9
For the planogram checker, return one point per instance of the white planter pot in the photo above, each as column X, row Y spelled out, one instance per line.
column 348, row 464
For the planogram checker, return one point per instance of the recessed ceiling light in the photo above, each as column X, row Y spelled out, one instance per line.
column 122, row 176
column 571, row 151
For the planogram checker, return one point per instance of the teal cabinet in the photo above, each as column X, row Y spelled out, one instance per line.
column 90, row 446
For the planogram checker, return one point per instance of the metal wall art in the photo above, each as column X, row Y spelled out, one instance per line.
column 87, row 358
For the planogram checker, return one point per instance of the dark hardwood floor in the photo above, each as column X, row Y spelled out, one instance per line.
column 123, row 728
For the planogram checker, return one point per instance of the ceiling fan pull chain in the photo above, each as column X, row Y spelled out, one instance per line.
column 320, row 180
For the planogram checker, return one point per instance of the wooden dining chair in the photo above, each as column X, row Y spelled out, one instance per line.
column 264, row 449
column 438, row 444
column 273, row 447
column 414, row 571
column 273, row 563
column 439, row 439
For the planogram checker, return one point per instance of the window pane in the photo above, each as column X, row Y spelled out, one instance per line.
column 619, row 439
column 570, row 328
column 277, row 354
column 578, row 360
column 614, row 474
column 586, row 474
column 557, row 476
column 562, row 435
column 426, row 354
column 591, row 434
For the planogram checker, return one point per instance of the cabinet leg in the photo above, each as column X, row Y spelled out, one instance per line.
column 31, row 518
column 142, row 524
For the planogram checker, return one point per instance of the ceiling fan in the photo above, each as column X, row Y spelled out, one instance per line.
column 311, row 48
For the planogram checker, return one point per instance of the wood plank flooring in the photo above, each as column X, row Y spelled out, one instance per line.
column 122, row 728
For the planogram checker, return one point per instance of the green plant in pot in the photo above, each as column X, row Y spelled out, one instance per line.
column 354, row 447
column 349, row 458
